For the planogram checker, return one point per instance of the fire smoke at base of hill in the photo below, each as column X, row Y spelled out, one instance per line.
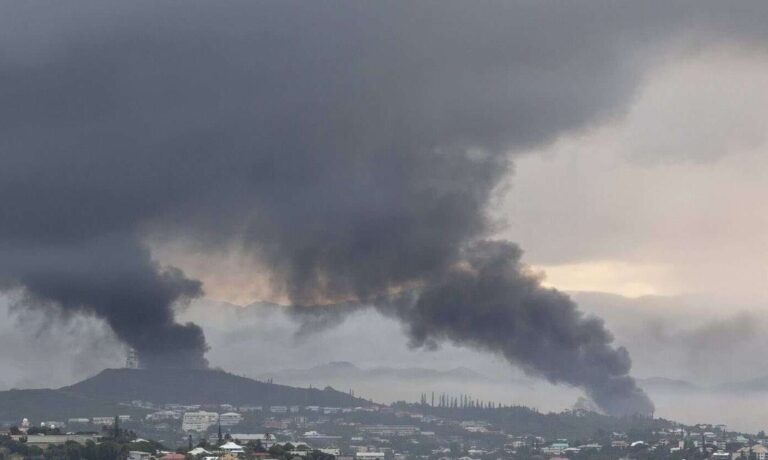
column 488, row 301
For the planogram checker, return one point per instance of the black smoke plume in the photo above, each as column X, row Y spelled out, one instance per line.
column 489, row 301
column 352, row 147
column 114, row 278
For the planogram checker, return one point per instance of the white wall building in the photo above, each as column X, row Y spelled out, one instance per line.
column 103, row 421
column 230, row 419
column 52, row 424
column 369, row 455
column 164, row 415
column 250, row 408
column 138, row 455
column 198, row 421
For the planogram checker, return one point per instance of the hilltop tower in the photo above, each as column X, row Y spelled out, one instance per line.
column 132, row 359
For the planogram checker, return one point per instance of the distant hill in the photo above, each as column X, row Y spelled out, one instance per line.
column 668, row 385
column 332, row 370
column 756, row 385
column 51, row 405
column 100, row 395
column 343, row 370
column 419, row 373
column 201, row 387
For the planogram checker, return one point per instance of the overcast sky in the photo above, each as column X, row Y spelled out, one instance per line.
column 668, row 199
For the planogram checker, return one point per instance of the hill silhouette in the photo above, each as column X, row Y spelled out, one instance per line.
column 347, row 371
column 196, row 386
column 101, row 394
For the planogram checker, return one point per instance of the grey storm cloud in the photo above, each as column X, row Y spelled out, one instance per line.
column 352, row 146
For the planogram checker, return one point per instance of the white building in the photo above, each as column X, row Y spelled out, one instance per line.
column 52, row 424
column 315, row 436
column 250, row 408
column 760, row 452
column 109, row 421
column 198, row 421
column 230, row 419
column 232, row 448
column 103, row 421
column 198, row 451
column 139, row 455
column 164, row 415
column 390, row 430
column 369, row 455
column 43, row 441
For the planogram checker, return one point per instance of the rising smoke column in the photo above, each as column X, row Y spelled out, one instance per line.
column 351, row 148
column 488, row 300
column 115, row 279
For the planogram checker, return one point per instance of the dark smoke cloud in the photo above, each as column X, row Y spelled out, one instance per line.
column 352, row 146
column 115, row 279
column 489, row 301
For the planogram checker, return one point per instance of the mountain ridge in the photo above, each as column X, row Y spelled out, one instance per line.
column 754, row 385
column 103, row 393
column 348, row 370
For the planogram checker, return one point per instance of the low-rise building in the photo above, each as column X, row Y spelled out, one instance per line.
column 758, row 451
column 230, row 419
column 275, row 424
column 103, row 421
column 43, row 441
column 390, row 430
column 139, row 455
column 164, row 415
column 369, row 456
column 315, row 436
column 52, row 424
column 79, row 420
column 198, row 421
column 556, row 448
column 250, row 408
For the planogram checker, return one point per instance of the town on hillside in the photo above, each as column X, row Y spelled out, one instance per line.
column 438, row 427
